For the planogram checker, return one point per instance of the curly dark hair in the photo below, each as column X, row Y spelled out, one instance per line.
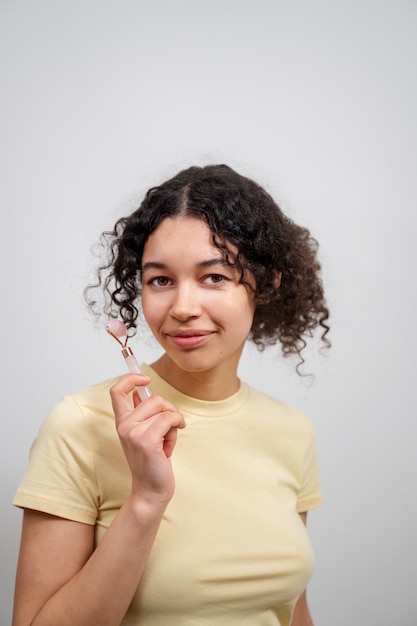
column 280, row 255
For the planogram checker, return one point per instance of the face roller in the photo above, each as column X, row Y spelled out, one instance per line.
column 117, row 329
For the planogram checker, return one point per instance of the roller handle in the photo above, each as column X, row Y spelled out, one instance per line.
column 134, row 367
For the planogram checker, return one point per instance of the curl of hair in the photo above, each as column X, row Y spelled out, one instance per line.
column 280, row 255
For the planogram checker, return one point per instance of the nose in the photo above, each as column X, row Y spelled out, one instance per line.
column 186, row 303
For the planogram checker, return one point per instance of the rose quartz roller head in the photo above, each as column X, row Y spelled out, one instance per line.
column 117, row 329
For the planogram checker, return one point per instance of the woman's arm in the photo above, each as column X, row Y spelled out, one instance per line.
column 301, row 615
column 60, row 579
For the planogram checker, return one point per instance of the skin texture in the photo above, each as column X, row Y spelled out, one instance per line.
column 201, row 315
column 195, row 293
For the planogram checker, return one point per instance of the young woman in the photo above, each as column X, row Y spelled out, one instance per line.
column 209, row 260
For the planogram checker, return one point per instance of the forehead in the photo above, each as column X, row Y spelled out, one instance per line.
column 189, row 235
column 172, row 227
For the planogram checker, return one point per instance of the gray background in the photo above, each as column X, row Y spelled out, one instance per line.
column 315, row 100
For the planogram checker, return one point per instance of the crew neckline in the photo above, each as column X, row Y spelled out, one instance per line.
column 188, row 404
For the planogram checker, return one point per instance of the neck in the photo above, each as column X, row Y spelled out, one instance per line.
column 205, row 385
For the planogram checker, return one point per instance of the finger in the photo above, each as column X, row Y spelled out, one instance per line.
column 121, row 391
column 169, row 442
column 153, row 432
column 136, row 397
column 161, row 433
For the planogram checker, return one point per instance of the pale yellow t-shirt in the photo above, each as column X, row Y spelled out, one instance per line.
column 231, row 549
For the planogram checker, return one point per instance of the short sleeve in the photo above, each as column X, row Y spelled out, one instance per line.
column 61, row 478
column 310, row 494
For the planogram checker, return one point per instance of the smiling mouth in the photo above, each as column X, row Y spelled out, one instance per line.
column 189, row 338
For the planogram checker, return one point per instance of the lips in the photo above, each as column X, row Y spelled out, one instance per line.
column 188, row 338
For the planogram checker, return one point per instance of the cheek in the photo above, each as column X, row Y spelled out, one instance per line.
column 238, row 312
column 150, row 313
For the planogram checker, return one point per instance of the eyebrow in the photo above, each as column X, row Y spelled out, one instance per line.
column 155, row 265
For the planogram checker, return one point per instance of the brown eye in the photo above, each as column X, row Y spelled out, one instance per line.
column 216, row 279
column 159, row 282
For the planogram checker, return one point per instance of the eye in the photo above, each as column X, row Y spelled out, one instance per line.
column 215, row 279
column 159, row 282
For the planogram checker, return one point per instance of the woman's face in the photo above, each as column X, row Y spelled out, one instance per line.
column 192, row 300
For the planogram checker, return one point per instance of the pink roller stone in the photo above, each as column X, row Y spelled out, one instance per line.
column 117, row 328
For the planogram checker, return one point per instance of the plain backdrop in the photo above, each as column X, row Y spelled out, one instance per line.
column 316, row 101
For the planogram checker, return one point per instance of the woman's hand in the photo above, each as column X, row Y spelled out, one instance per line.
column 147, row 431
